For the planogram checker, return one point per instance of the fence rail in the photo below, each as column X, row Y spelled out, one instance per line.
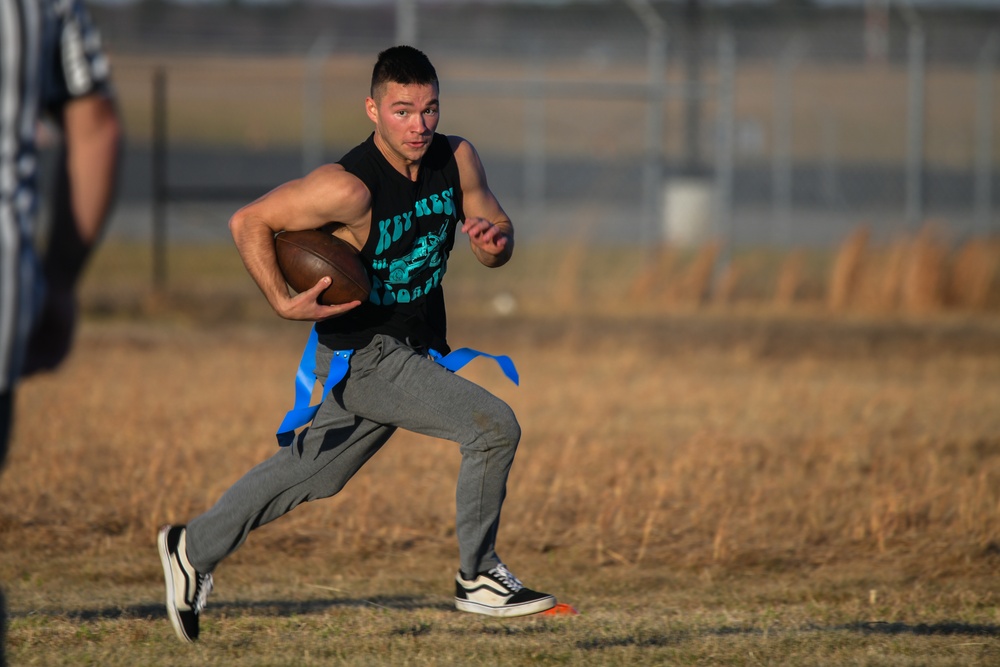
column 797, row 142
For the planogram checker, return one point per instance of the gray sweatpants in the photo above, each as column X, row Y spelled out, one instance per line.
column 389, row 386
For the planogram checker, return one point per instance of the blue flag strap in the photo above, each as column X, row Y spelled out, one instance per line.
column 305, row 379
column 457, row 359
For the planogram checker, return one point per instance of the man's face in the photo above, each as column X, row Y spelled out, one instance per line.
column 405, row 118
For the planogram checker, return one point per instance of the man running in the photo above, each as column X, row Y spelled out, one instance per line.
column 399, row 198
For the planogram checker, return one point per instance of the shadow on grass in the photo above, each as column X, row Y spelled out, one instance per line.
column 943, row 628
column 276, row 608
column 649, row 639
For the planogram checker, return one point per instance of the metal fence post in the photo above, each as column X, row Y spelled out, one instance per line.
column 781, row 164
column 653, row 182
column 534, row 141
column 830, row 160
column 914, row 210
column 406, row 22
column 725, row 141
column 312, row 103
column 693, row 92
column 159, row 178
column 656, row 59
column 984, row 136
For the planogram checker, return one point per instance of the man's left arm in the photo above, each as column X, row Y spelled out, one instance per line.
column 83, row 190
column 77, row 95
column 85, row 184
column 491, row 233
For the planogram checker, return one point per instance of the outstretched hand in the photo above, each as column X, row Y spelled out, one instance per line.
column 485, row 235
column 306, row 306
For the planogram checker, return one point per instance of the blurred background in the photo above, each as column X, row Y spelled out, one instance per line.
column 776, row 124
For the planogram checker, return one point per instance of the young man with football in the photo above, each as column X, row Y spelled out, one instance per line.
column 399, row 198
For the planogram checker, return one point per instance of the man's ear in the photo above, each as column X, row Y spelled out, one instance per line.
column 371, row 108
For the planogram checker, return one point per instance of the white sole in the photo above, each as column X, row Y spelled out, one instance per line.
column 524, row 609
column 168, row 576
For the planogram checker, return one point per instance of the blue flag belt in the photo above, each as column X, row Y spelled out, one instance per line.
column 305, row 380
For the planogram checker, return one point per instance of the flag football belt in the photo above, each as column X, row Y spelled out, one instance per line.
column 305, row 380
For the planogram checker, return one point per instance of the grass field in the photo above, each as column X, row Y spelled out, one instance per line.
column 723, row 484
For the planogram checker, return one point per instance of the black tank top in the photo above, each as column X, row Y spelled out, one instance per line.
column 412, row 233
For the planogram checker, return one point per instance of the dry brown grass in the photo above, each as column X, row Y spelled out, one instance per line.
column 974, row 274
column 692, row 481
column 917, row 274
column 671, row 277
column 789, row 282
column 924, row 273
column 654, row 274
column 636, row 447
column 847, row 267
column 693, row 285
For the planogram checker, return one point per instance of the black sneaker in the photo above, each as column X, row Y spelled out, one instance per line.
column 499, row 593
column 187, row 589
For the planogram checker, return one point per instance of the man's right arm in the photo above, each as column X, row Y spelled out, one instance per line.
column 328, row 194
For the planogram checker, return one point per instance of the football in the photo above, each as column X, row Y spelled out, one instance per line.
column 306, row 256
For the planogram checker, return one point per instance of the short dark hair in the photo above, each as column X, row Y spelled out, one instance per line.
column 402, row 64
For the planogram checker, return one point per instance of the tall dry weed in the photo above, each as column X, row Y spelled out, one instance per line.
column 568, row 284
column 693, row 284
column 917, row 274
column 724, row 291
column 887, row 286
column 846, row 270
column 789, row 281
column 925, row 273
column 662, row 282
column 655, row 274
column 974, row 274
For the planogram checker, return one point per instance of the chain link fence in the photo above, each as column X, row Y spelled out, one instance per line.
column 617, row 122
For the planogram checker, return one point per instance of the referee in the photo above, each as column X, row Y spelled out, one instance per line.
column 52, row 66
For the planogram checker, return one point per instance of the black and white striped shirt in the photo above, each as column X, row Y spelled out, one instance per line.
column 50, row 53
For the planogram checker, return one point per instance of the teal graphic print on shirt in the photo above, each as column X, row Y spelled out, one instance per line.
column 406, row 278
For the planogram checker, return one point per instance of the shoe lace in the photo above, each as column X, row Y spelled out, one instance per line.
column 507, row 578
column 203, row 588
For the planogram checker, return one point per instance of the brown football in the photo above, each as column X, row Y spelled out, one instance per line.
column 306, row 256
